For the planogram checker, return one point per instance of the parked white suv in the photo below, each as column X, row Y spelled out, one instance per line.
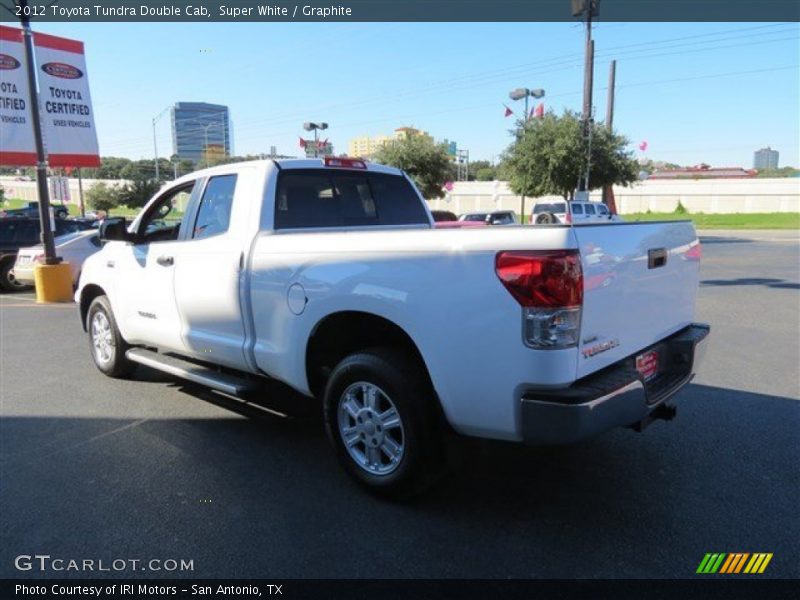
column 576, row 212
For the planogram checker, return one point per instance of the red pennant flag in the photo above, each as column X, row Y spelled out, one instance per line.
column 509, row 112
column 538, row 112
column 302, row 143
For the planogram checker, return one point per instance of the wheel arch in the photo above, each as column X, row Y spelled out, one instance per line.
column 88, row 294
column 340, row 334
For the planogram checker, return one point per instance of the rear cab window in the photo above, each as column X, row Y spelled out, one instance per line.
column 577, row 209
column 314, row 198
column 550, row 207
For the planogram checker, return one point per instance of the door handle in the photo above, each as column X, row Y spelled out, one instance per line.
column 165, row 261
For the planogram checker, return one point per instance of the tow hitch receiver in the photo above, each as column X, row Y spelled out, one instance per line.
column 663, row 411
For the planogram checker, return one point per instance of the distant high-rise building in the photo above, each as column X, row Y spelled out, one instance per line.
column 201, row 132
column 366, row 146
column 766, row 158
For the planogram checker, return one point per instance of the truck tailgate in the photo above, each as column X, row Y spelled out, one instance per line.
column 640, row 285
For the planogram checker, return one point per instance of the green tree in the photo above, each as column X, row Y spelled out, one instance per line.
column 136, row 193
column 426, row 162
column 110, row 168
column 486, row 174
column 101, row 197
column 549, row 155
column 476, row 166
column 782, row 172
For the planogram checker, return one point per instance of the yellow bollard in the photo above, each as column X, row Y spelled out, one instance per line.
column 53, row 283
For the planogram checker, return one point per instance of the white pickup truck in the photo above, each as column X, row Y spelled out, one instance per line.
column 329, row 276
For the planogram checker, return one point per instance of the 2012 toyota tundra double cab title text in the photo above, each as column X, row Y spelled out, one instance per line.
column 329, row 276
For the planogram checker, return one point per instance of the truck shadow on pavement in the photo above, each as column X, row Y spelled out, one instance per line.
column 772, row 283
column 263, row 494
column 715, row 239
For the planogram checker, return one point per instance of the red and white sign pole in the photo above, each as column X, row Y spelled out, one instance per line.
column 49, row 124
column 50, row 257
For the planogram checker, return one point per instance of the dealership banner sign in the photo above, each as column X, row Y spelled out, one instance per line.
column 17, row 145
column 65, row 103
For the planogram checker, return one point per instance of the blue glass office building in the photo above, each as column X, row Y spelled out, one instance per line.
column 199, row 129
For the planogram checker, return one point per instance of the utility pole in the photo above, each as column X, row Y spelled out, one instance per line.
column 612, row 75
column 50, row 257
column 588, row 9
column 80, row 193
column 608, row 191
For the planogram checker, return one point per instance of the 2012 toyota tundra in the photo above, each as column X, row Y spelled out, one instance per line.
column 328, row 275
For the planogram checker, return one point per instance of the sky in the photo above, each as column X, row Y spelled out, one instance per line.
column 696, row 92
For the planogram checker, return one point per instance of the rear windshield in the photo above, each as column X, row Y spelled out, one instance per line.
column 555, row 207
column 475, row 217
column 331, row 198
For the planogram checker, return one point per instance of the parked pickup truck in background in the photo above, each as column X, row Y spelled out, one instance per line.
column 329, row 276
column 32, row 210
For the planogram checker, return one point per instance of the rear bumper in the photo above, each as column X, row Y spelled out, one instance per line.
column 24, row 273
column 615, row 397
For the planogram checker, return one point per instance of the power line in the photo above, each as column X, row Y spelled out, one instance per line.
column 499, row 74
column 275, row 120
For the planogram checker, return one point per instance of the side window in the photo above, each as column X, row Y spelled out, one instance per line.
column 577, row 209
column 602, row 209
column 162, row 221
column 64, row 227
column 214, row 214
column 589, row 209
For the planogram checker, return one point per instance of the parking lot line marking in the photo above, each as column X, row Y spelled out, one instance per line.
column 34, row 305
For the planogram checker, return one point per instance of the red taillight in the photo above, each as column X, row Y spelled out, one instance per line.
column 345, row 163
column 568, row 217
column 695, row 252
column 542, row 278
column 39, row 258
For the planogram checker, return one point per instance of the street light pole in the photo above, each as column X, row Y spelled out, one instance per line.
column 315, row 127
column 518, row 94
column 156, row 119
column 50, row 257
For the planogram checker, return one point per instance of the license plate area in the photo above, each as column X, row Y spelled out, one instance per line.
column 647, row 364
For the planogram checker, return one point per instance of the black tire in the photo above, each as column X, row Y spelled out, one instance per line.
column 403, row 382
column 545, row 219
column 116, row 364
column 7, row 281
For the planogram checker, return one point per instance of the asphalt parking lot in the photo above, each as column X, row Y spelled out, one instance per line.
column 95, row 468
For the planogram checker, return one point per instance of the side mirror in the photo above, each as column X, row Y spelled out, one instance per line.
column 115, row 229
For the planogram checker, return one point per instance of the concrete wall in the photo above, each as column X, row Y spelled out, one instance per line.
column 703, row 195
column 26, row 190
column 697, row 195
